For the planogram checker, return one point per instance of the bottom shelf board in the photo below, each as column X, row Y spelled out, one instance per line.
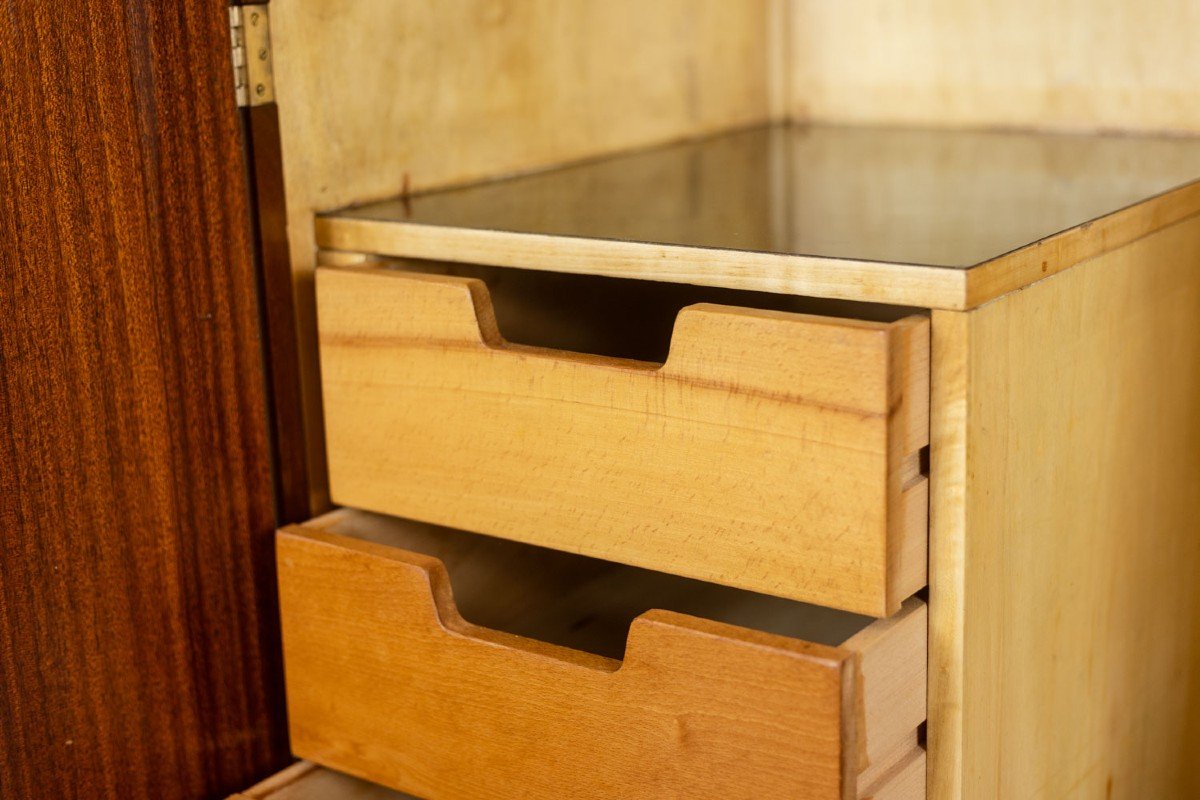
column 306, row 781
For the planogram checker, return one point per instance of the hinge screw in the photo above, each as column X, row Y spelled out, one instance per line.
column 254, row 18
column 260, row 90
column 264, row 54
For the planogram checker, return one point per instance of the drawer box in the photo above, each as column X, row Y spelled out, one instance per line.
column 727, row 694
column 772, row 451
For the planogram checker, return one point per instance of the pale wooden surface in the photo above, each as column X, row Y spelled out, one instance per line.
column 588, row 605
column 904, row 779
column 386, row 679
column 1076, row 64
column 377, row 96
column 858, row 213
column 774, row 452
column 374, row 95
column 906, row 196
column 1065, row 551
column 842, row 279
column 893, row 663
column 306, row 781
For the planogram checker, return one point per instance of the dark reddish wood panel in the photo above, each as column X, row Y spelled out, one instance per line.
column 290, row 455
column 138, row 645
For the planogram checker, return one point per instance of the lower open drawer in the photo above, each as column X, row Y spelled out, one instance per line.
column 720, row 693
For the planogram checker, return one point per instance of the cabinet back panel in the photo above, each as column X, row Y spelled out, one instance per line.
column 1074, row 64
column 377, row 97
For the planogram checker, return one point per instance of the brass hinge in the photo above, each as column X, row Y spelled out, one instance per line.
column 250, row 32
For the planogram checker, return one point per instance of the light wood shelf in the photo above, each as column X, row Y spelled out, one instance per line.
column 307, row 781
column 934, row 218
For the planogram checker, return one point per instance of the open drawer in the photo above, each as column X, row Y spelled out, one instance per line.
column 721, row 692
column 772, row 451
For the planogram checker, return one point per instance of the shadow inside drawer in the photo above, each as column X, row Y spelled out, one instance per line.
column 617, row 317
column 579, row 602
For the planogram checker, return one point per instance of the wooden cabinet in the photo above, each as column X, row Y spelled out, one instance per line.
column 576, row 289
column 1048, row 651
column 811, row 390
column 306, row 781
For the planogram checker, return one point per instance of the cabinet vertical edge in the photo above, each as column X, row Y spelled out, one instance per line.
column 948, row 409
column 1064, row 644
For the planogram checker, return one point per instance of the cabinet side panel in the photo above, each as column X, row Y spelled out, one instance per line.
column 1064, row 652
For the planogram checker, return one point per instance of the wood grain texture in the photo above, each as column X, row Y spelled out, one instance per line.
column 306, row 781
column 772, row 451
column 816, row 276
column 893, row 680
column 290, row 452
column 905, row 779
column 273, row 785
column 1077, row 64
column 374, row 95
column 138, row 637
column 377, row 98
column 387, row 681
column 1064, row 601
column 588, row 605
column 946, row 288
column 884, row 214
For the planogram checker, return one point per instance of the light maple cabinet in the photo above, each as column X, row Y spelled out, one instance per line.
column 800, row 428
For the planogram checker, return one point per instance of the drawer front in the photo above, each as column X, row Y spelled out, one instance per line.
column 385, row 680
column 772, row 451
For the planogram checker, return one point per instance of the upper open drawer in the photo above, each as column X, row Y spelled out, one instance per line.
column 773, row 451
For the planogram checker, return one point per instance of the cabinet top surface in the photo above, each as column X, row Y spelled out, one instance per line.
column 934, row 198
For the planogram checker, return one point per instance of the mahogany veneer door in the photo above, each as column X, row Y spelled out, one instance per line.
column 138, row 633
